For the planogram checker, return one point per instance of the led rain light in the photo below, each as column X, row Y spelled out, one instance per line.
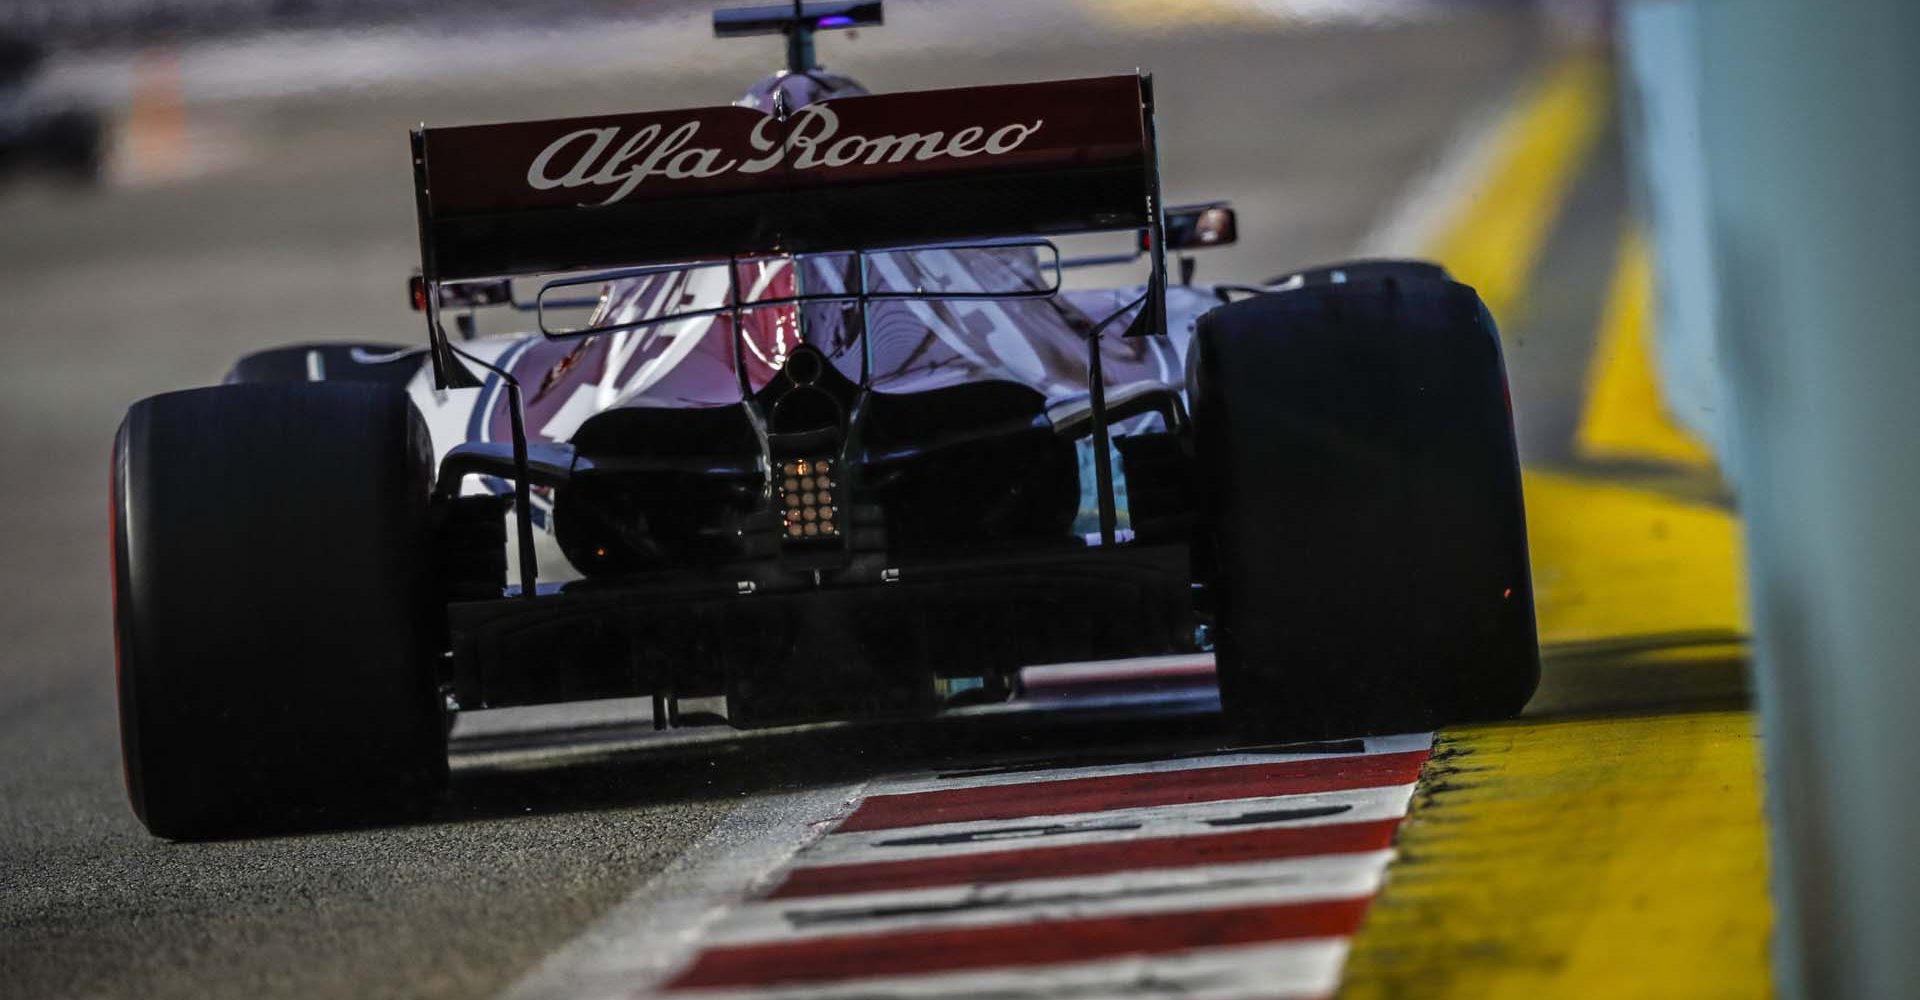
column 807, row 508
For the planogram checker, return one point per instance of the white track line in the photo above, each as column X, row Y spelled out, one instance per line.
column 1294, row 969
column 1435, row 199
column 659, row 926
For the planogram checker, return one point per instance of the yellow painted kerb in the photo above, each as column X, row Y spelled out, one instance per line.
column 1618, row 858
column 1626, row 416
column 1615, row 858
column 1496, row 232
column 1610, row 562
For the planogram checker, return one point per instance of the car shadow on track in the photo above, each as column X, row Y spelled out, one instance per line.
column 627, row 765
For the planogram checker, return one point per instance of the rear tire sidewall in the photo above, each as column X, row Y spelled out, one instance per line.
column 273, row 601
column 1362, row 509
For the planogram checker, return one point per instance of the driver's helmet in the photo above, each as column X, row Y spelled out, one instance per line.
column 801, row 89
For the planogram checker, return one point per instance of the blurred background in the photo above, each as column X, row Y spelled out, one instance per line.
column 183, row 181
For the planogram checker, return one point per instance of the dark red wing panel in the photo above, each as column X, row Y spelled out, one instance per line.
column 566, row 163
column 856, row 172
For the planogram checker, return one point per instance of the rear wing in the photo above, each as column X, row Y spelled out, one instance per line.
column 851, row 173
column 843, row 174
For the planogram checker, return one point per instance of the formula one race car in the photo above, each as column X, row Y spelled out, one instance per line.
column 810, row 430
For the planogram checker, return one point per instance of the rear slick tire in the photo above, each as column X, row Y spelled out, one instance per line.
column 273, row 609
column 1362, row 499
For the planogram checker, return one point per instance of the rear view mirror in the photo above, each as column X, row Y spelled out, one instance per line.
column 1192, row 227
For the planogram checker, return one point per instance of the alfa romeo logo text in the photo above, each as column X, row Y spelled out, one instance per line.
column 603, row 158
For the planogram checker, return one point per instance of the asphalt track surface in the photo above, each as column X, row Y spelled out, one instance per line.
column 298, row 226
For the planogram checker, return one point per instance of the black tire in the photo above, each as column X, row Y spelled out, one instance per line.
column 1362, row 500
column 273, row 609
column 334, row 362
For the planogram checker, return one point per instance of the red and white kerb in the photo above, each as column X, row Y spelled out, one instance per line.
column 1218, row 876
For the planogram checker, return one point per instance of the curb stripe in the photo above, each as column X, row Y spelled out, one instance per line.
column 1096, row 765
column 1015, row 945
column 1090, row 859
column 1045, row 902
column 944, row 840
column 1242, row 895
column 1082, row 795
